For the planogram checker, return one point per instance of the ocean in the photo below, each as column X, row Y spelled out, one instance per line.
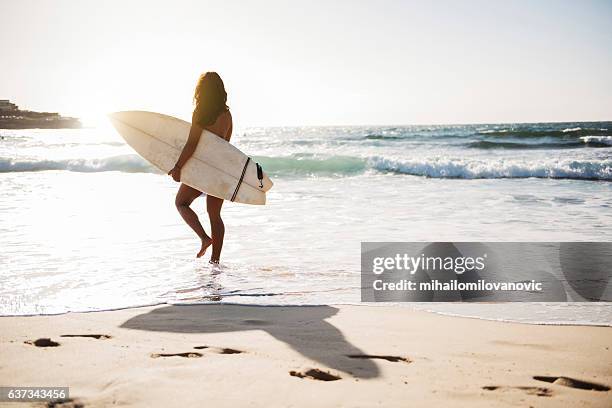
column 86, row 224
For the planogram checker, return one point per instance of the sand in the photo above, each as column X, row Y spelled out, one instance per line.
column 230, row 355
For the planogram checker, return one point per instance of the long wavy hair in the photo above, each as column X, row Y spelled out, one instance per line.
column 209, row 99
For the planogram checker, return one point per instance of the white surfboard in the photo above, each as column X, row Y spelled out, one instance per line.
column 215, row 168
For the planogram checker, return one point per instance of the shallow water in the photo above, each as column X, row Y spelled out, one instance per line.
column 88, row 225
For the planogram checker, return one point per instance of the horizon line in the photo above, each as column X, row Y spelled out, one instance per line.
column 407, row 124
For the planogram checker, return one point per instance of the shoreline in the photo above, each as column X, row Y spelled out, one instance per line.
column 291, row 355
column 400, row 305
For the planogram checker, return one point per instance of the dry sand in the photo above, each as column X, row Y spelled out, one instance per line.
column 230, row 355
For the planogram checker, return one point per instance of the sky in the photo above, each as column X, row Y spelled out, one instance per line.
column 314, row 62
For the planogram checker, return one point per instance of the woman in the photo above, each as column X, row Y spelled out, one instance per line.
column 211, row 113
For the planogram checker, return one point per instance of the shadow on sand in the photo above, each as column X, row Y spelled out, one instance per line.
column 303, row 328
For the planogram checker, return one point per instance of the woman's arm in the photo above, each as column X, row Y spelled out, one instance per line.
column 192, row 142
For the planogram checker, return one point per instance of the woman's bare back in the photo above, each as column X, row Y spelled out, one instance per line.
column 222, row 126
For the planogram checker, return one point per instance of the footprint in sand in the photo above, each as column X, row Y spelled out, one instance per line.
column 44, row 342
column 539, row 391
column 393, row 359
column 230, row 351
column 65, row 403
column 220, row 350
column 91, row 336
column 185, row 355
column 256, row 322
column 315, row 374
column 573, row 383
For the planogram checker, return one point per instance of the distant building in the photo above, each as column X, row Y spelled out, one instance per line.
column 7, row 106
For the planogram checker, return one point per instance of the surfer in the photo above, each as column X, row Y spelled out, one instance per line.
column 211, row 113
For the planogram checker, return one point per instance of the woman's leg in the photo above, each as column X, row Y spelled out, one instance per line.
column 213, row 207
column 184, row 198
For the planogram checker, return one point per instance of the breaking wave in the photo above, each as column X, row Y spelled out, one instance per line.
column 585, row 141
column 568, row 133
column 339, row 166
column 129, row 163
column 440, row 168
column 494, row 169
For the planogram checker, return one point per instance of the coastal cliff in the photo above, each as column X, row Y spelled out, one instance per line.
column 11, row 117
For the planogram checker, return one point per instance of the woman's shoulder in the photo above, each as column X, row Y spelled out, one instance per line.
column 224, row 118
column 227, row 118
column 229, row 125
column 228, row 114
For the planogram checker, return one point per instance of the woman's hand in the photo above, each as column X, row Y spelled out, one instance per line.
column 175, row 173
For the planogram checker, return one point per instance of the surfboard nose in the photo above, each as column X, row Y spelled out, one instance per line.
column 120, row 116
column 142, row 120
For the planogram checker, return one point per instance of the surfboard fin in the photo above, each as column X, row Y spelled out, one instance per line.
column 259, row 174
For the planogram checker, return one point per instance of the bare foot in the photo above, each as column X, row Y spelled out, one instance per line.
column 206, row 242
